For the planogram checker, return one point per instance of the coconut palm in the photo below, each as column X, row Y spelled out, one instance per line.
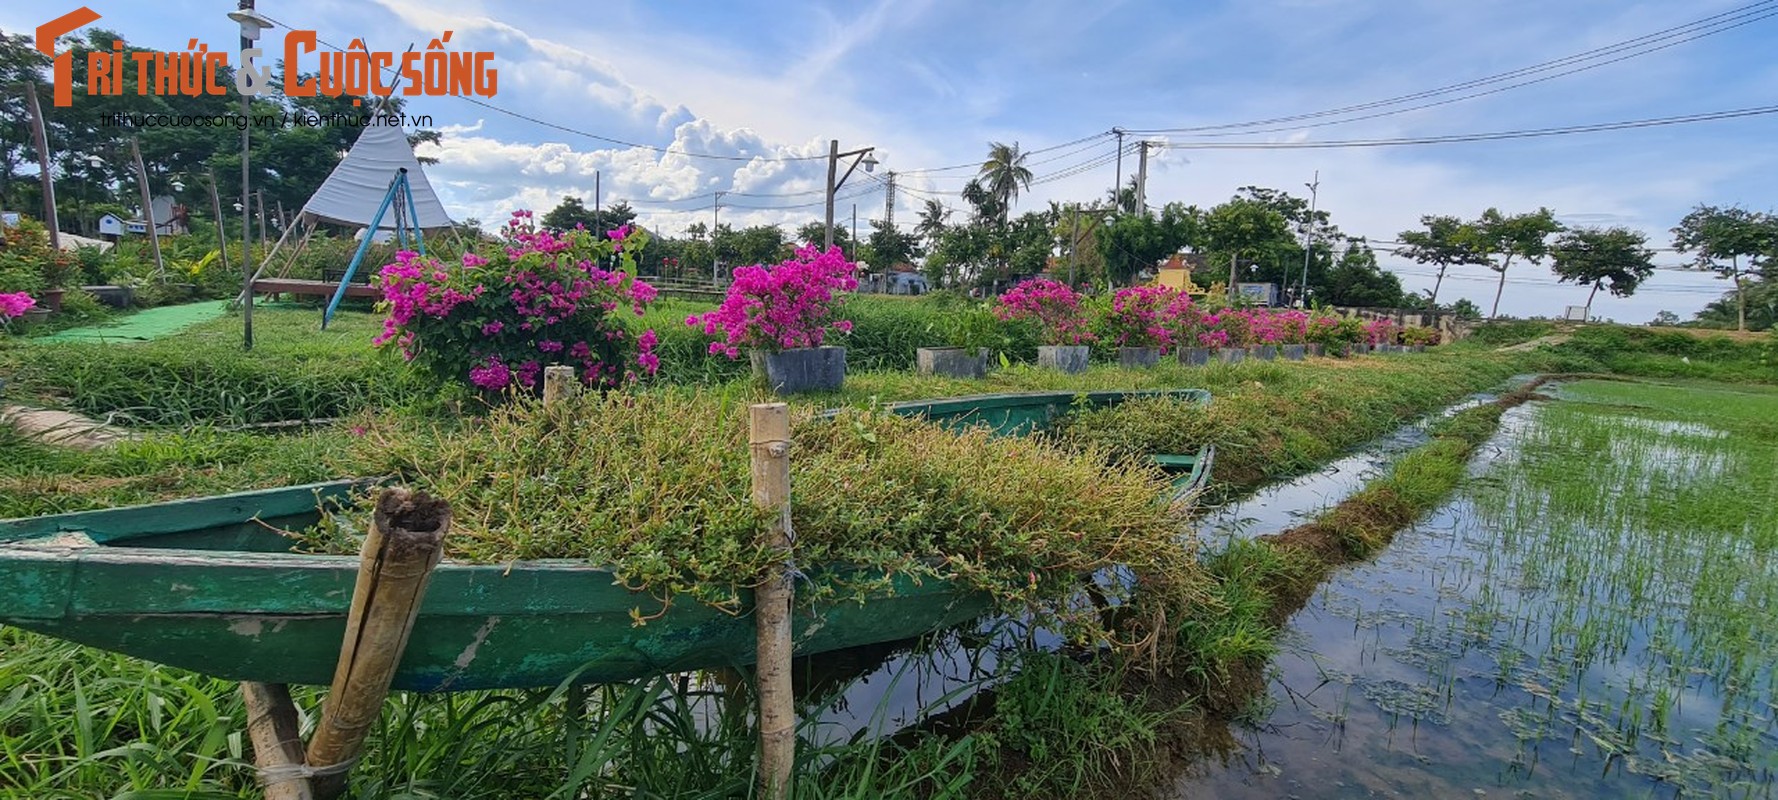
column 932, row 220
column 1005, row 172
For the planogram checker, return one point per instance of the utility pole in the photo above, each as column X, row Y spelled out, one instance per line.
column 835, row 180
column 47, row 180
column 251, row 23
column 855, row 231
column 598, row 215
column 1314, row 191
column 154, row 234
column 1142, row 178
column 715, row 215
column 889, row 201
column 1117, row 181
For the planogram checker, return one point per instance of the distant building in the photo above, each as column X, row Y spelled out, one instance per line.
column 170, row 219
column 111, row 225
column 1176, row 272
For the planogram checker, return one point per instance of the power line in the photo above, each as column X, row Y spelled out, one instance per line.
column 1744, row 15
column 1709, row 116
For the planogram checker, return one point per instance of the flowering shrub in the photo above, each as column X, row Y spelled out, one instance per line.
column 1234, row 326
column 1380, row 331
column 543, row 300
column 1420, row 336
column 15, row 304
column 1331, row 332
column 1053, row 306
column 1143, row 316
column 786, row 306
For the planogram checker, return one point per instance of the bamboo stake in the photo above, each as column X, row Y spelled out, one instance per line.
column 558, row 383
column 277, row 740
column 769, row 440
column 404, row 544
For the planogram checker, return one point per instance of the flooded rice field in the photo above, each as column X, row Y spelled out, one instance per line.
column 1595, row 614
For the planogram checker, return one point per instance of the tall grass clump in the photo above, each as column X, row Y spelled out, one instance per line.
column 656, row 486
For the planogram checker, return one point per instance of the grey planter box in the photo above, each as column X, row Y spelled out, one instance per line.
column 1138, row 357
column 1067, row 358
column 952, row 362
column 1194, row 356
column 1294, row 352
column 114, row 296
column 1317, row 351
column 1264, row 352
column 804, row 369
column 1231, row 355
column 1417, row 348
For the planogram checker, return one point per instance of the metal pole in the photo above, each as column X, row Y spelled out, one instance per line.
column 833, row 165
column 854, row 230
column 1142, row 178
column 246, row 188
column 47, row 180
column 1314, row 190
column 221, row 232
column 598, row 211
column 259, row 203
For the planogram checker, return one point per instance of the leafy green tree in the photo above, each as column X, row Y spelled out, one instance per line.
column 933, row 216
column 1616, row 259
column 1499, row 238
column 890, row 246
column 1465, row 310
column 1357, row 281
column 1243, row 228
column 1744, row 239
column 1447, row 242
column 572, row 211
column 1005, row 173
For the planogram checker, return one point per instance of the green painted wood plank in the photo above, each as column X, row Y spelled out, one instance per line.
column 117, row 524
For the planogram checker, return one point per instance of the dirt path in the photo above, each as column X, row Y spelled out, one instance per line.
column 1551, row 340
column 61, row 428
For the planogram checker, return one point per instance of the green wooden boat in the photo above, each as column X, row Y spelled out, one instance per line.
column 210, row 585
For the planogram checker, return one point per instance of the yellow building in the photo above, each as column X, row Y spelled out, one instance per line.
column 1176, row 273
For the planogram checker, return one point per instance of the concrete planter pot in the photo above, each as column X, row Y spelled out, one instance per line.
column 1138, row 357
column 1264, row 352
column 1317, row 351
column 52, row 298
column 1354, row 350
column 33, row 317
column 1294, row 352
column 1231, row 355
column 803, row 369
column 1194, row 356
column 114, row 296
column 1416, row 348
column 952, row 362
column 1070, row 358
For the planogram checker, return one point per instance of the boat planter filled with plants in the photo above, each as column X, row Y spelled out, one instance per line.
column 609, row 538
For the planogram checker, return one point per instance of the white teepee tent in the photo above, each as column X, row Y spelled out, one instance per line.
column 358, row 187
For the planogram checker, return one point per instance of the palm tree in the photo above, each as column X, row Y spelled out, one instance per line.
column 932, row 220
column 1005, row 172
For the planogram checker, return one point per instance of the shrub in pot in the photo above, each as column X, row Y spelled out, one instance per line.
column 1419, row 338
column 782, row 315
column 535, row 300
column 15, row 305
column 969, row 336
column 1140, row 323
column 1056, row 310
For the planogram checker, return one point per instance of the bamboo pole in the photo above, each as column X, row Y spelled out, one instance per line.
column 558, row 383
column 277, row 740
column 769, row 441
column 404, row 544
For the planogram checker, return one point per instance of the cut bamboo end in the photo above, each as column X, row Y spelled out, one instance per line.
column 558, row 384
column 404, row 544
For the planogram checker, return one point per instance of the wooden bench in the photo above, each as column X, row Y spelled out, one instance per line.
column 308, row 288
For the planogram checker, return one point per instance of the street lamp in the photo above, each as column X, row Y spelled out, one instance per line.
column 863, row 156
column 251, row 22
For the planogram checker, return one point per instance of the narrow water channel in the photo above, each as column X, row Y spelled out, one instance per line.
column 1594, row 615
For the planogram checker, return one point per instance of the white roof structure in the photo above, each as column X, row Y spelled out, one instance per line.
column 352, row 193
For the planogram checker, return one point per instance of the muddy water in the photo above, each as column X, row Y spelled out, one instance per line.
column 1511, row 646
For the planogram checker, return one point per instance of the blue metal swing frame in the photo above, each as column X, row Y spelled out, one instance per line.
column 399, row 194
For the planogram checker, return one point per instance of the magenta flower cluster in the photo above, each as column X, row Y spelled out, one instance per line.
column 16, row 304
column 1381, row 331
column 1053, row 306
column 541, row 299
column 792, row 304
column 1237, row 327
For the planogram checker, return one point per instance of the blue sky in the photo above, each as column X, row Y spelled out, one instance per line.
column 931, row 83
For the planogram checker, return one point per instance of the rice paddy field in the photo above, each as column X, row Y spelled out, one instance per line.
column 1593, row 614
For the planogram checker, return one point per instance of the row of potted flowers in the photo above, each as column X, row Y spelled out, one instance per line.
column 498, row 320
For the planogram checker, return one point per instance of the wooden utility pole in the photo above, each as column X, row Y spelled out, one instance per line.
column 769, row 440
column 1142, row 178
column 41, row 140
column 154, row 234
column 221, row 228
